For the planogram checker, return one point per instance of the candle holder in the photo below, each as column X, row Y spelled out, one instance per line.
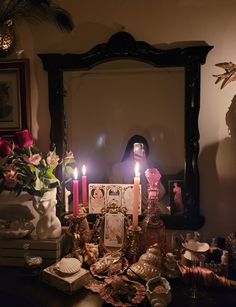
column 133, row 239
column 79, row 231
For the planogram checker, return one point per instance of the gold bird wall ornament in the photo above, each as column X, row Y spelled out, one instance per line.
column 228, row 76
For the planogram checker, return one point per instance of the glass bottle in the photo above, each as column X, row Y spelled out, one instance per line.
column 153, row 227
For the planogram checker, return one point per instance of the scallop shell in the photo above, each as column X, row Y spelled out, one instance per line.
column 196, row 246
column 109, row 265
column 193, row 256
column 68, row 266
column 105, row 292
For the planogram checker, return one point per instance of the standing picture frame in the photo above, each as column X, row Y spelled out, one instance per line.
column 14, row 96
column 102, row 195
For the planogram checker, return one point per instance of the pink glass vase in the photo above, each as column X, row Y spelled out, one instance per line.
column 153, row 227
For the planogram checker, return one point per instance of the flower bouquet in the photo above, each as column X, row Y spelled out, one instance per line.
column 24, row 168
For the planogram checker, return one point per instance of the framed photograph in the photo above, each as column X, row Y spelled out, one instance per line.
column 114, row 230
column 176, row 192
column 97, row 197
column 14, row 96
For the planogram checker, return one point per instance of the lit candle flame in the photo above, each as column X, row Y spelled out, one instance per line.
column 136, row 170
column 84, row 170
column 75, row 173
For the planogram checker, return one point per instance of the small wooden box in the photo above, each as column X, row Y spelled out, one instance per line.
column 12, row 251
column 69, row 284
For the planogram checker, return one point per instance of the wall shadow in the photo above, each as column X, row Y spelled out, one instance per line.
column 218, row 164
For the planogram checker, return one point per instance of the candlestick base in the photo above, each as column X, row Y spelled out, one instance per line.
column 132, row 248
column 79, row 231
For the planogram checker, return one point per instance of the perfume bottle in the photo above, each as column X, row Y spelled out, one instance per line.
column 153, row 227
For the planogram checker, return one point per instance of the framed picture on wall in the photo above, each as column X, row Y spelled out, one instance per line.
column 14, row 96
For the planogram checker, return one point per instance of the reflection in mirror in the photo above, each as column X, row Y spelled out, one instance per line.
column 105, row 121
column 104, row 108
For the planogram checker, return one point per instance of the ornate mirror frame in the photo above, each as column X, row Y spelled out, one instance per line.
column 122, row 45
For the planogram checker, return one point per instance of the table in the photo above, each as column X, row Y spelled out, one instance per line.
column 21, row 287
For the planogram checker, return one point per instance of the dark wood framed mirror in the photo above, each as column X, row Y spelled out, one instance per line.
column 122, row 46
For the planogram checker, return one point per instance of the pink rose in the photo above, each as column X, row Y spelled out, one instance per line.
column 32, row 159
column 52, row 158
column 5, row 147
column 69, row 155
column 24, row 138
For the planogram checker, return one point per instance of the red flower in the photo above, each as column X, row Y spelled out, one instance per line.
column 10, row 176
column 5, row 148
column 24, row 138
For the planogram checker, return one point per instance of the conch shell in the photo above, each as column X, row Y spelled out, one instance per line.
column 204, row 276
column 148, row 265
column 90, row 253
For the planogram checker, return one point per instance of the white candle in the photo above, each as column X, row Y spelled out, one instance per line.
column 84, row 186
column 136, row 195
column 75, row 192
column 66, row 197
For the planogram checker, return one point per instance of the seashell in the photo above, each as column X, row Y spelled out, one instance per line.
column 193, row 256
column 68, row 266
column 109, row 265
column 205, row 276
column 150, row 258
column 111, row 295
column 158, row 297
column 154, row 249
column 90, row 253
column 196, row 246
column 170, row 266
column 142, row 270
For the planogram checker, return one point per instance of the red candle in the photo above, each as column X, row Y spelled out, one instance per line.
column 75, row 193
column 136, row 196
column 84, row 186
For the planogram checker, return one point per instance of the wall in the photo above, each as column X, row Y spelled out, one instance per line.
column 159, row 23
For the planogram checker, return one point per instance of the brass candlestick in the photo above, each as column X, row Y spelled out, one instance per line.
column 132, row 250
column 79, row 231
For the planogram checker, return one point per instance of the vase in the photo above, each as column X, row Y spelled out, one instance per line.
column 48, row 225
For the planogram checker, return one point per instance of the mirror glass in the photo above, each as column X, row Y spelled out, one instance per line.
column 105, row 106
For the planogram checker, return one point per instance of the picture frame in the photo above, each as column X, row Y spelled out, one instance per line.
column 176, row 192
column 14, row 96
column 102, row 195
